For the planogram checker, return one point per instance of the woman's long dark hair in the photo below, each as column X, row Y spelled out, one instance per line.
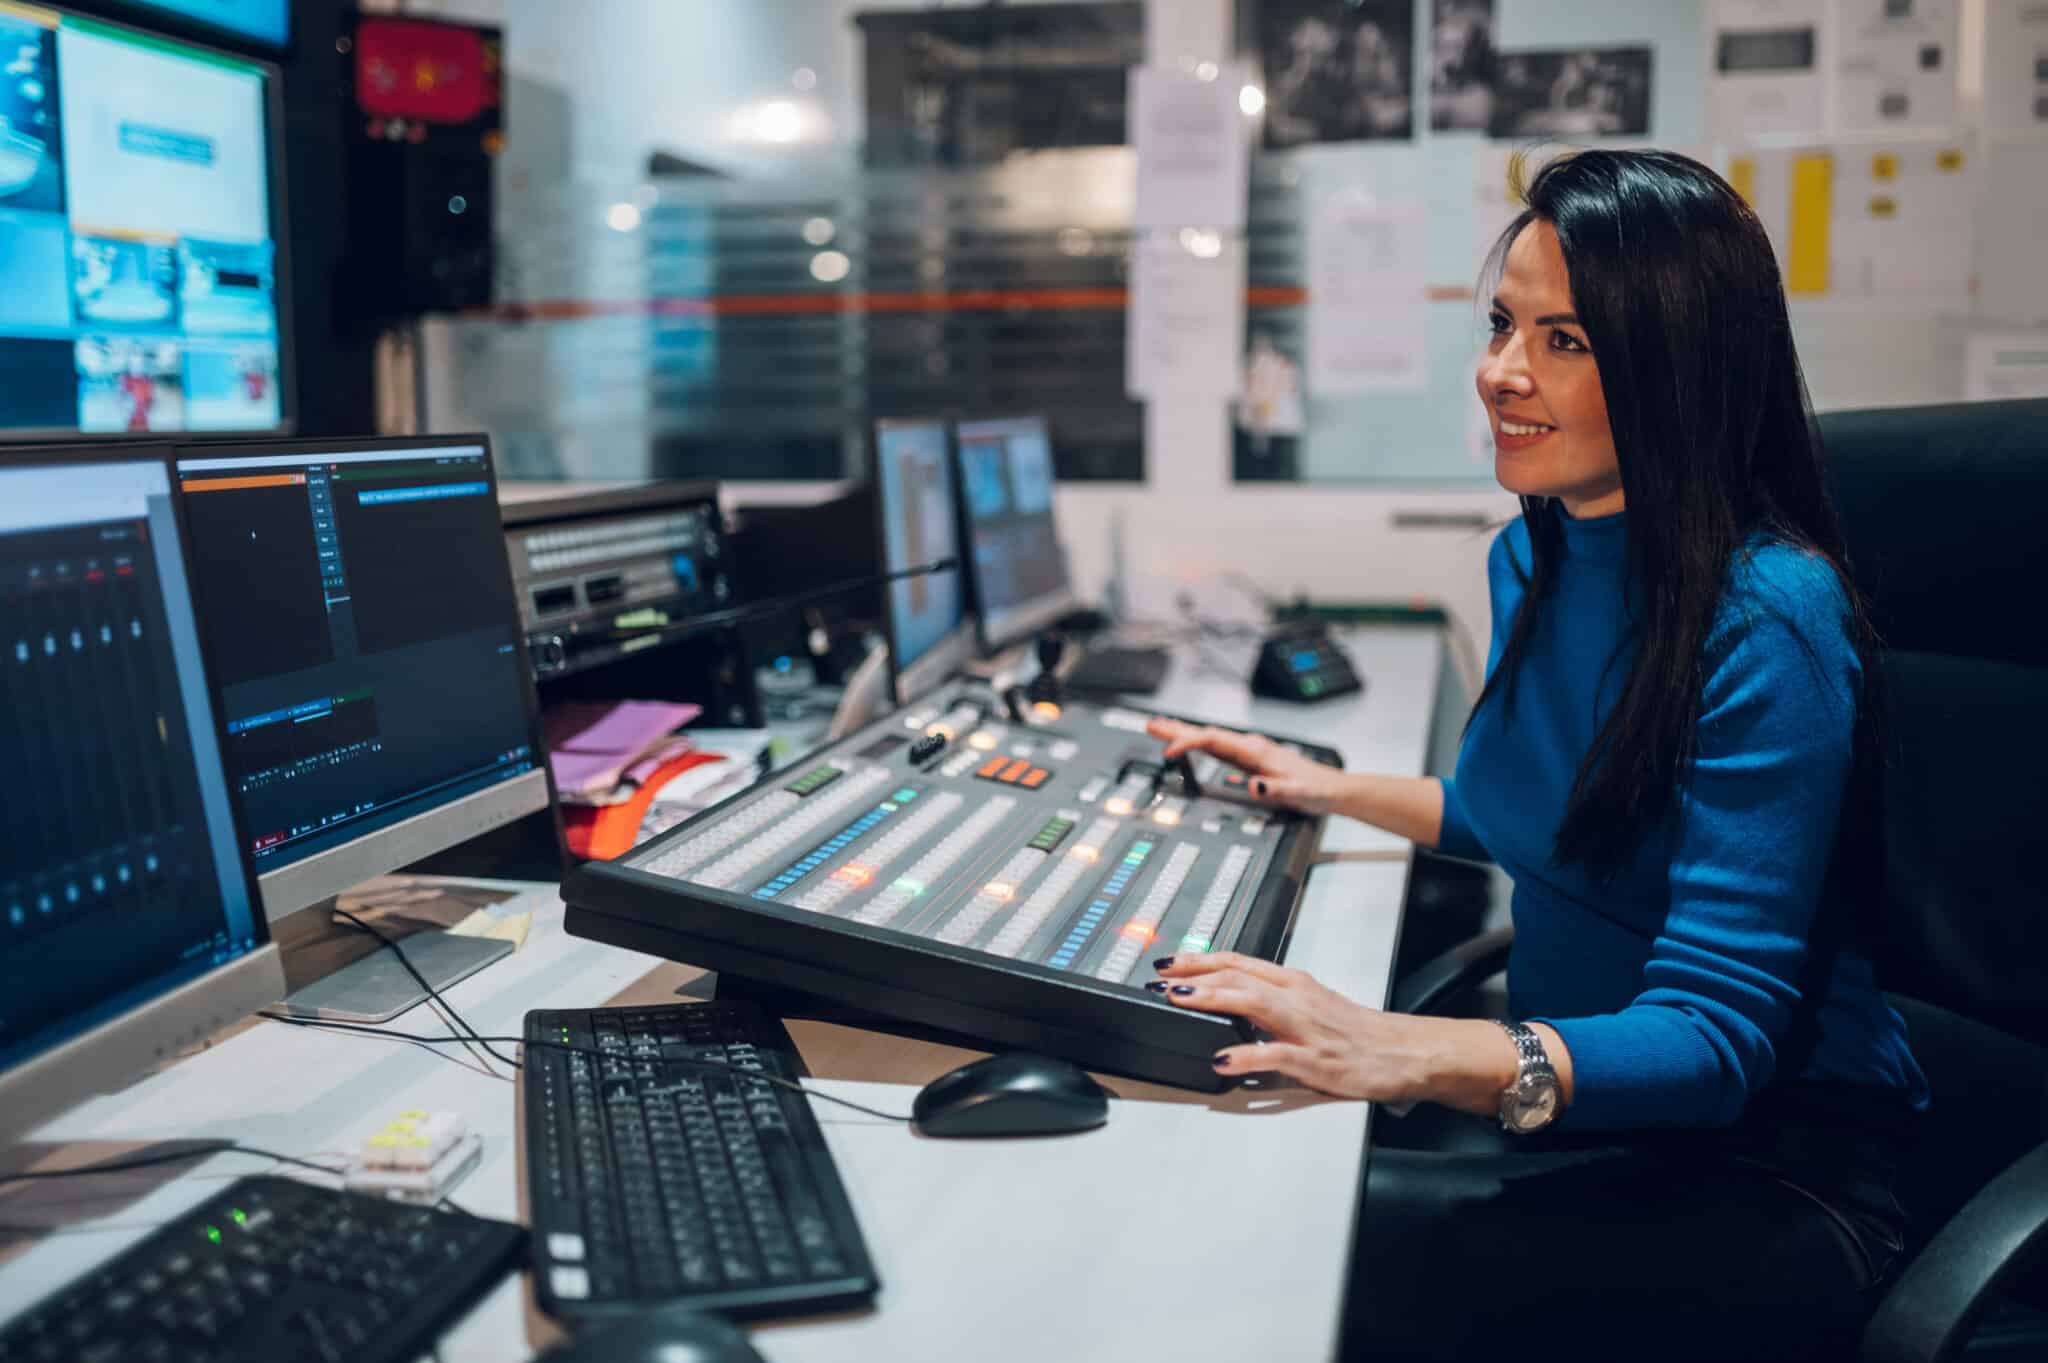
column 1677, row 288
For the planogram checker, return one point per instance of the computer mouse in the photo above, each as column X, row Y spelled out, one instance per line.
column 1014, row 1094
column 662, row 1335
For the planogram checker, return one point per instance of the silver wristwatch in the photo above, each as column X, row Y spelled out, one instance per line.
column 1533, row 1101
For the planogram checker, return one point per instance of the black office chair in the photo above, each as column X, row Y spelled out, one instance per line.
column 1943, row 509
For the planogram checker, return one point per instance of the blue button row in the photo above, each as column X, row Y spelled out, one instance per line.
column 825, row 851
column 1085, row 926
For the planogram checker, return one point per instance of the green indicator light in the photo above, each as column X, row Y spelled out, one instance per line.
column 888, row 807
column 213, row 1234
column 1194, row 944
column 908, row 884
column 906, row 794
column 241, row 1218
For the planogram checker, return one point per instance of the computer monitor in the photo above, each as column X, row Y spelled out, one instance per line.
column 927, row 625
column 360, row 623
column 260, row 23
column 1018, row 568
column 142, row 271
column 129, row 925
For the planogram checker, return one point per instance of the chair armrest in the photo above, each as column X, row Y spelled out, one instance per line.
column 1478, row 958
column 1931, row 1310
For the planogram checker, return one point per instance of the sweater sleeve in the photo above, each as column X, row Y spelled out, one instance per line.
column 1753, row 839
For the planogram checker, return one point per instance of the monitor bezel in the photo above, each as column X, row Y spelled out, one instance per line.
column 999, row 631
column 311, row 881
column 281, row 268
column 113, row 1052
column 954, row 649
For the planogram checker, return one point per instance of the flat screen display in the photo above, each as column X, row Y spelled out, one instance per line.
column 919, row 525
column 1019, row 567
column 139, row 272
column 358, row 619
column 267, row 23
column 120, row 879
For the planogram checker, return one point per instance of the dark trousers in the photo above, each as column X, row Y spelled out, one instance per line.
column 1769, row 1240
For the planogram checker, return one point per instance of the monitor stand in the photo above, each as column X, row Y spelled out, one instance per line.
column 373, row 985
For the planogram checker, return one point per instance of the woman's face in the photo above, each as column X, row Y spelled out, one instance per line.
column 1541, row 388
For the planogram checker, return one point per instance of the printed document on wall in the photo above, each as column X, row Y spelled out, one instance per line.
column 1368, row 318
column 1764, row 67
column 1185, row 337
column 2015, row 64
column 1895, row 64
column 1192, row 146
column 2006, row 365
column 1904, row 222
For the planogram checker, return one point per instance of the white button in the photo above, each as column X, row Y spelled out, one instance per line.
column 569, row 1283
column 562, row 1245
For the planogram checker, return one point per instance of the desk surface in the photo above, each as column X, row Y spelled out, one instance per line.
column 1110, row 1244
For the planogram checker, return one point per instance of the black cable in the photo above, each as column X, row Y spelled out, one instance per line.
column 149, row 1161
column 456, row 1019
column 700, row 1062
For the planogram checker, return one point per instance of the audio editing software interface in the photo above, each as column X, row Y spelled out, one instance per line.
column 368, row 671
column 105, row 735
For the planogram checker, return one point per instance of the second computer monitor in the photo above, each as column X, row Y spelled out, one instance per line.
column 1013, row 546
column 928, row 628
column 357, row 611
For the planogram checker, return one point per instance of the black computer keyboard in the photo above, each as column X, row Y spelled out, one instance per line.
column 274, row 1270
column 654, row 1180
column 1112, row 669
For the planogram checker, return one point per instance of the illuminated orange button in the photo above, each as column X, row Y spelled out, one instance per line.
column 991, row 767
column 1035, row 778
column 1018, row 766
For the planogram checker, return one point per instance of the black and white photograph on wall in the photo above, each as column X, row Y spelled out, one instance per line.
column 1601, row 92
column 1337, row 70
column 1461, row 64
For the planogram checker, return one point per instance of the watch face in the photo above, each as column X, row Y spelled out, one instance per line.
column 1535, row 1107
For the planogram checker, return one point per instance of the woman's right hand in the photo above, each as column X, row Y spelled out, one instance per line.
column 1279, row 775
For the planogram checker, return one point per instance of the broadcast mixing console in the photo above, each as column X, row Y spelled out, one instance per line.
column 999, row 869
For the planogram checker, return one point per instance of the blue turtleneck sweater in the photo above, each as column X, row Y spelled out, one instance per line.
column 1708, row 965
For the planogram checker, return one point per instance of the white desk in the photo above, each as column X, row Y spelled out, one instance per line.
column 1191, row 1226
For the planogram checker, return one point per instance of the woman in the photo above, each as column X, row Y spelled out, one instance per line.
column 1673, row 758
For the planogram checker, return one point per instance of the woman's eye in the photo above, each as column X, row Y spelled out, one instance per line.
column 1498, row 323
column 1564, row 340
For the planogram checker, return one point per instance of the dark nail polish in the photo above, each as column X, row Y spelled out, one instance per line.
column 1259, row 788
column 1219, row 1060
column 1156, row 986
column 1183, row 990
column 1162, row 963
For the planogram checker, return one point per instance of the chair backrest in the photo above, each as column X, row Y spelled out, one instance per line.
column 1945, row 510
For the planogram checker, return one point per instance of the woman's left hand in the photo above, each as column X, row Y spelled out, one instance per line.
column 1328, row 1042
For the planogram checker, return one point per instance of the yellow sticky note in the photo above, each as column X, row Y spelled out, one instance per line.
column 1813, row 196
column 1884, row 166
column 1742, row 178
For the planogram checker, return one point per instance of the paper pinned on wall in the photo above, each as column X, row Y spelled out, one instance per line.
column 1904, row 221
column 2001, row 365
column 1764, row 65
column 1192, row 146
column 1894, row 63
column 1185, row 337
column 1368, row 318
column 2015, row 65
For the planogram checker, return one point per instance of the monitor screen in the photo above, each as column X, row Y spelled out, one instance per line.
column 360, row 625
column 920, row 524
column 139, row 272
column 122, row 879
column 1020, row 571
column 264, row 22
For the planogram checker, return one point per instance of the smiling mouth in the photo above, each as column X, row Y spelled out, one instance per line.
column 1523, row 428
